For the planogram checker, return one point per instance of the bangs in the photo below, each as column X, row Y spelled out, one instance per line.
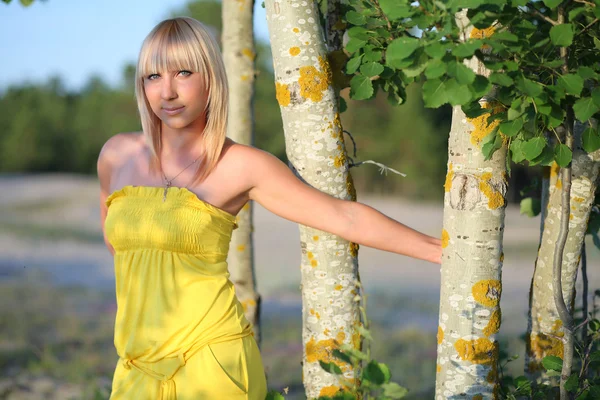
column 172, row 47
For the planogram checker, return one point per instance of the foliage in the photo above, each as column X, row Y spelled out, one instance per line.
column 583, row 384
column 371, row 379
column 544, row 64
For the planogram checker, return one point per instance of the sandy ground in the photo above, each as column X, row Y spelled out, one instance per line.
column 68, row 206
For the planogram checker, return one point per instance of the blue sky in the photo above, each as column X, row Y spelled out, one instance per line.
column 76, row 39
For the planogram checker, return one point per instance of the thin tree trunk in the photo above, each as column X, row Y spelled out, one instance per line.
column 316, row 151
column 471, row 270
column 545, row 331
column 238, row 54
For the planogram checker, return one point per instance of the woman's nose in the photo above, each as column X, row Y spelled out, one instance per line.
column 168, row 89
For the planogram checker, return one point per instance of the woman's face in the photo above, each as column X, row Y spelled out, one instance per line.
column 178, row 98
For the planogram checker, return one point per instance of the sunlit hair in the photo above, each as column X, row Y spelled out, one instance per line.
column 176, row 44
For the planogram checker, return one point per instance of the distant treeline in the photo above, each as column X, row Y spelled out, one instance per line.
column 44, row 127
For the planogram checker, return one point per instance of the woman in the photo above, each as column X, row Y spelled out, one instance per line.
column 169, row 196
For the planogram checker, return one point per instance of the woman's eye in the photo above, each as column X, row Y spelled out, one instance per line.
column 152, row 77
column 185, row 73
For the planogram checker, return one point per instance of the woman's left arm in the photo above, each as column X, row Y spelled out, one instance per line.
column 275, row 187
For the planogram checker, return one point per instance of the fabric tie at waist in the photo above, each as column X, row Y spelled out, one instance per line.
column 167, row 389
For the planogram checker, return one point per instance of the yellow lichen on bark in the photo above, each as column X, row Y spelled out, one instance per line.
column 296, row 30
column 478, row 351
column 487, row 292
column 438, row 368
column 440, row 335
column 315, row 238
column 322, row 350
column 314, row 82
column 329, row 391
column 248, row 53
column 495, row 198
column 482, row 33
column 541, row 345
column 445, row 238
column 294, row 51
column 282, row 94
column 449, row 176
column 478, row 397
column 494, row 325
column 241, row 247
column 480, row 126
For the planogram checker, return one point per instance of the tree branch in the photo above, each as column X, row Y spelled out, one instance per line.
column 538, row 14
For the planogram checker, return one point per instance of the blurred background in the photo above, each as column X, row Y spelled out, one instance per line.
column 66, row 86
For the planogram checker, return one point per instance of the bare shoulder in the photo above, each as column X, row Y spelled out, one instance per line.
column 245, row 156
column 114, row 151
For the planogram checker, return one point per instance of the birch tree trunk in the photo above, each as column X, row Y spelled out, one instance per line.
column 545, row 331
column 471, row 271
column 316, row 151
column 239, row 55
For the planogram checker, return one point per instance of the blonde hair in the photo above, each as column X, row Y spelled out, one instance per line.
column 184, row 43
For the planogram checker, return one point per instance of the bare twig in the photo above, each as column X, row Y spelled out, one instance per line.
column 590, row 24
column 538, row 14
column 382, row 168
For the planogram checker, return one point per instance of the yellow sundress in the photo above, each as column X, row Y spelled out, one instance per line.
column 180, row 331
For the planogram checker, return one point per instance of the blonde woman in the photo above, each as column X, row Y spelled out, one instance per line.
column 169, row 196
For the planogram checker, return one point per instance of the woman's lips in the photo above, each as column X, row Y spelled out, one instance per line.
column 174, row 110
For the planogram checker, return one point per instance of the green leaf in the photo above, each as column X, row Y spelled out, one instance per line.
column 490, row 144
column 331, row 367
column 372, row 54
column 591, row 140
column 342, row 356
column 552, row 3
column 480, row 87
column 434, row 93
column 371, row 69
column 533, row 147
column 395, row 9
column 354, row 353
column 375, row 373
column 572, row 384
column 584, row 108
column 353, row 64
column 435, row 69
column 356, row 18
column 394, row 391
column 361, row 87
column 354, row 45
column 516, row 149
column 552, row 363
column 573, row 84
column 274, row 395
column 531, row 207
column 343, row 105
column 562, row 155
column 575, row 12
column 358, row 32
column 463, row 74
column 596, row 96
column 562, row 35
column 501, row 79
column 467, row 49
column 529, row 87
column 546, row 158
column 457, row 94
column 523, row 384
column 474, row 109
column 436, row 50
column 26, row 3
column 399, row 49
column 511, row 128
column 505, row 36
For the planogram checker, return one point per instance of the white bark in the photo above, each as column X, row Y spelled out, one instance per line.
column 316, row 151
column 545, row 331
column 239, row 55
column 471, row 270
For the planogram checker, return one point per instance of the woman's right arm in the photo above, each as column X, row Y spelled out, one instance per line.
column 104, row 167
